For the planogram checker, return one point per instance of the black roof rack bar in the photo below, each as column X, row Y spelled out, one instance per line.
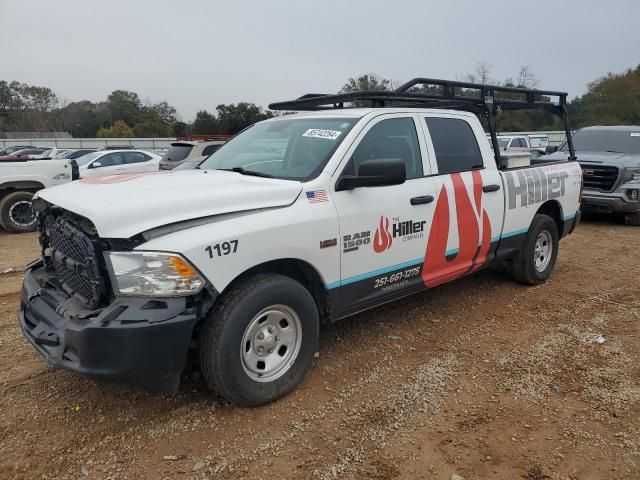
column 478, row 86
column 454, row 95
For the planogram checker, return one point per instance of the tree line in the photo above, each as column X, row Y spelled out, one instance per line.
column 610, row 100
column 28, row 108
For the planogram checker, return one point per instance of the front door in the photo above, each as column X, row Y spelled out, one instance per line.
column 108, row 164
column 383, row 229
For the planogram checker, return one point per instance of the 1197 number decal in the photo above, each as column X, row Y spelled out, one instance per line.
column 221, row 249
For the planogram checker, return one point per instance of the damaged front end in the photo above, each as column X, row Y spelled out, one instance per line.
column 70, row 314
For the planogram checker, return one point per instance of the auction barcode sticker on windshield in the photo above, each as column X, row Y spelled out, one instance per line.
column 635, row 134
column 321, row 133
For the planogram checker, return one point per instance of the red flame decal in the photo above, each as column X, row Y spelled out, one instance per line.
column 382, row 239
column 470, row 257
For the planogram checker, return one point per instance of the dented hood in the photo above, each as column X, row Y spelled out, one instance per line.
column 121, row 206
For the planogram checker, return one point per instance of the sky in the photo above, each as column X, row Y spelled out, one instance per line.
column 197, row 54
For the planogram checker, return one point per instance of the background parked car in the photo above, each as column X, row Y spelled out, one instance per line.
column 117, row 147
column 54, row 152
column 114, row 162
column 188, row 148
column 75, row 153
column 13, row 148
column 27, row 153
column 610, row 161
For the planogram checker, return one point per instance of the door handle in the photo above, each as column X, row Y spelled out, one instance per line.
column 421, row 200
column 491, row 188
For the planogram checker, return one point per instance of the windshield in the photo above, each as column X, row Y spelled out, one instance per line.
column 503, row 142
column 86, row 159
column 293, row 149
column 619, row 141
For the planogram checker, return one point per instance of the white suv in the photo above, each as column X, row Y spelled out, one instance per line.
column 184, row 150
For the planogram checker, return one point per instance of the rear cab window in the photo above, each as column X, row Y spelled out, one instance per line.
column 455, row 145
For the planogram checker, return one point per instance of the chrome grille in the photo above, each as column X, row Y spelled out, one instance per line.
column 75, row 262
column 599, row 177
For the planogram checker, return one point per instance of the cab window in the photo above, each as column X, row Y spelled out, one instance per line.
column 391, row 138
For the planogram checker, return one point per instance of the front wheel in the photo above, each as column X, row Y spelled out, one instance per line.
column 16, row 213
column 260, row 340
column 534, row 264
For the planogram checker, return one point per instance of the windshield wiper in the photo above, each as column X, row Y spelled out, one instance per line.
column 612, row 151
column 242, row 171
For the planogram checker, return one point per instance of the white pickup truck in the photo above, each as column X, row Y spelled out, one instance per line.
column 20, row 179
column 244, row 258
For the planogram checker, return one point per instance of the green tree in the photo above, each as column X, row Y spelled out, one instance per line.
column 83, row 119
column 180, row 128
column 205, row 124
column 119, row 130
column 236, row 117
column 368, row 81
column 610, row 100
column 151, row 127
column 125, row 106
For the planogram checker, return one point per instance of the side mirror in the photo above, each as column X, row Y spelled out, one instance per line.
column 96, row 165
column 378, row 172
column 551, row 148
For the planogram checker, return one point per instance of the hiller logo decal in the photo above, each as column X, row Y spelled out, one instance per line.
column 382, row 239
column 437, row 269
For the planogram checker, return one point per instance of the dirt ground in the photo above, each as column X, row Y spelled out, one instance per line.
column 483, row 378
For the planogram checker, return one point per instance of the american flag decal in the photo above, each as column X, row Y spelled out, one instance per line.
column 317, row 196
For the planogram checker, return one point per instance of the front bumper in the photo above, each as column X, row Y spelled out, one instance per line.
column 610, row 202
column 133, row 341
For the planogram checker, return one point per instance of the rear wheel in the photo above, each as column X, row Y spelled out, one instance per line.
column 535, row 263
column 16, row 213
column 260, row 340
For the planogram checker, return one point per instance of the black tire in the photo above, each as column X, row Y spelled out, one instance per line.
column 12, row 213
column 222, row 337
column 633, row 219
column 523, row 267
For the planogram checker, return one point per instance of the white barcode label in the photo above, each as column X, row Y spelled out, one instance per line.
column 320, row 133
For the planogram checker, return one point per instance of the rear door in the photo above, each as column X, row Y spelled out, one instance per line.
column 469, row 207
column 138, row 162
column 383, row 229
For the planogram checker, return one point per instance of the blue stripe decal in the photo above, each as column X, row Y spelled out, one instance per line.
column 410, row 263
column 570, row 217
column 513, row 234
